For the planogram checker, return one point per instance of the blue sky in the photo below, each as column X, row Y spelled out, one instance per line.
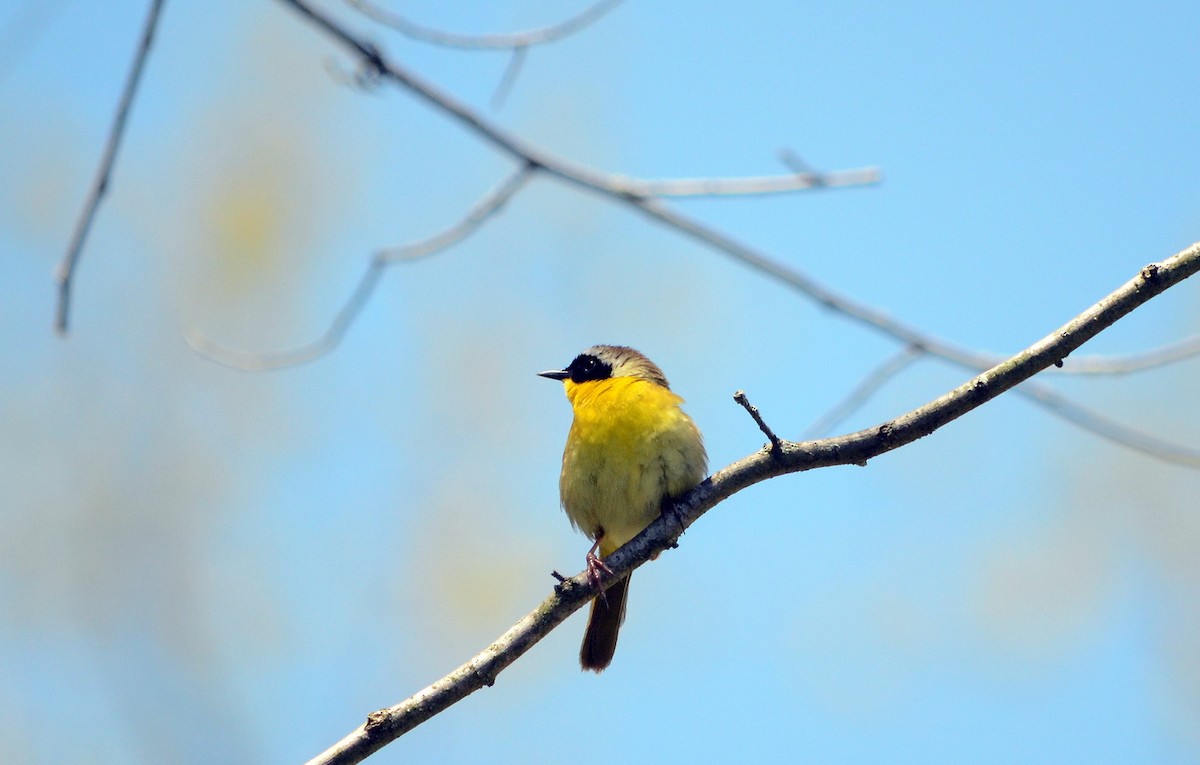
column 209, row 565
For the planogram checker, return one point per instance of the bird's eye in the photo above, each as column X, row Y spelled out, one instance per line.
column 586, row 368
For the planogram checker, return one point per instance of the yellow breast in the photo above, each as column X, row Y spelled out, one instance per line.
column 630, row 446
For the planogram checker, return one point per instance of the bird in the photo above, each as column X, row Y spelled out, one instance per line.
column 630, row 449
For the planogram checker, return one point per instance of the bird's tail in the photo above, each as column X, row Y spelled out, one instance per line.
column 604, row 622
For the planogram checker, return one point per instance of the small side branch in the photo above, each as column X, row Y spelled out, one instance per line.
column 1107, row 428
column 64, row 274
column 752, row 185
column 1180, row 350
column 864, row 390
column 483, row 210
column 515, row 61
column 518, row 43
column 740, row 397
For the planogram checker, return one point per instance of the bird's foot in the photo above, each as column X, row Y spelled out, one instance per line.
column 596, row 569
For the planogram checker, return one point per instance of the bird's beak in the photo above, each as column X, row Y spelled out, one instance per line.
column 555, row 374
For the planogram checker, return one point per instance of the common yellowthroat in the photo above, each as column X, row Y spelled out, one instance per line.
column 630, row 448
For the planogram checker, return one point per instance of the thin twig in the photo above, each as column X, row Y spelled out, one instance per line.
column 65, row 273
column 1180, row 350
column 793, row 161
column 524, row 39
column 518, row 43
column 1107, row 428
column 386, row 725
column 863, row 391
column 484, row 209
column 862, row 313
column 1050, row 399
column 509, row 78
column 740, row 397
column 765, row 184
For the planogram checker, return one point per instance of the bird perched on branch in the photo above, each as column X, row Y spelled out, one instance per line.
column 630, row 449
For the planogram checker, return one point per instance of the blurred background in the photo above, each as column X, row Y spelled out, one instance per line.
column 205, row 565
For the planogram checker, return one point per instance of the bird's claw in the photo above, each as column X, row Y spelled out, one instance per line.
column 596, row 569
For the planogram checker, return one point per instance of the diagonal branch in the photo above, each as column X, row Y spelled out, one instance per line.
column 65, row 273
column 1108, row 428
column 1048, row 398
column 515, row 61
column 929, row 344
column 386, row 725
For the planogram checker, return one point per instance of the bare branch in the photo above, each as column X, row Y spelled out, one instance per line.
column 740, row 398
column 1180, row 350
column 792, row 277
column 912, row 337
column 485, row 208
column 793, row 161
column 538, row 36
column 1107, row 428
column 1043, row 395
column 518, row 42
column 386, row 725
column 490, row 204
column 864, row 390
column 509, row 78
column 65, row 273
column 765, row 184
